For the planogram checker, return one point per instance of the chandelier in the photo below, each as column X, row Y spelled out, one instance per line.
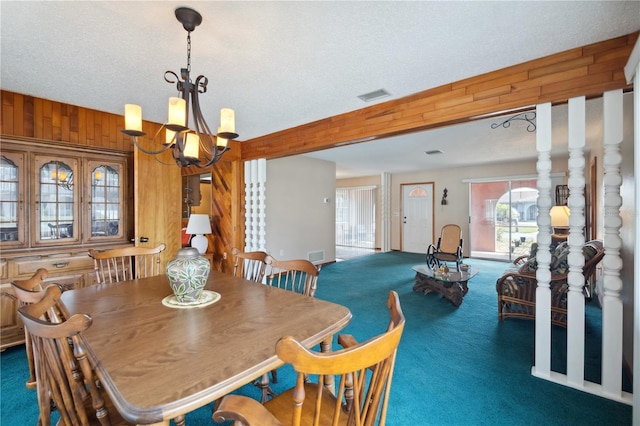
column 187, row 145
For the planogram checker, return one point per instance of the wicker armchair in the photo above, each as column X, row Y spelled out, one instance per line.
column 517, row 286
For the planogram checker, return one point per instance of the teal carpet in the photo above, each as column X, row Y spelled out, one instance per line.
column 455, row 366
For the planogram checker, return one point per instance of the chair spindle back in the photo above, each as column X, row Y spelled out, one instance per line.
column 127, row 263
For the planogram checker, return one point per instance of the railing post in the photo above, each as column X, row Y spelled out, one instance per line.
column 612, row 263
column 575, row 279
column 542, row 362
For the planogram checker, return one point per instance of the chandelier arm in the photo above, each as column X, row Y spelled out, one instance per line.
column 171, row 81
column 214, row 159
column 147, row 151
column 155, row 157
column 201, row 86
column 201, row 126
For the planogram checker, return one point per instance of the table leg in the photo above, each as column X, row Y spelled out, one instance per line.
column 263, row 384
column 329, row 382
column 453, row 291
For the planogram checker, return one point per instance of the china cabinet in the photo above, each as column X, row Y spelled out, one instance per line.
column 56, row 202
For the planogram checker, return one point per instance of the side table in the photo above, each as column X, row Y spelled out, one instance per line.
column 452, row 287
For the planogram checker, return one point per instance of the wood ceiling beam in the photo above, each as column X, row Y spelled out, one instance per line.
column 586, row 71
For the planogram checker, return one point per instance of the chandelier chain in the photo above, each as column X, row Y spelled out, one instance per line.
column 189, row 52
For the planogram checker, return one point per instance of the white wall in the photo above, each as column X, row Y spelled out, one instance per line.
column 298, row 221
column 457, row 208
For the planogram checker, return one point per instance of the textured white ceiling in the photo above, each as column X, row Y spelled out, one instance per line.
column 282, row 64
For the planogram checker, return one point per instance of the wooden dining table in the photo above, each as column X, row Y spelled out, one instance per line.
column 158, row 362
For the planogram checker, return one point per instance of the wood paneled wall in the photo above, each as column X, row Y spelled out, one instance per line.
column 589, row 70
column 227, row 209
column 31, row 117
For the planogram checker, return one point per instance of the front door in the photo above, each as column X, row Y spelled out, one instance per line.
column 417, row 217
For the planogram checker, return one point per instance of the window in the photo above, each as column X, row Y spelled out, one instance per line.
column 356, row 217
column 503, row 221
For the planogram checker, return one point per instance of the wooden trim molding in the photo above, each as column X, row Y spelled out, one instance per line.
column 585, row 71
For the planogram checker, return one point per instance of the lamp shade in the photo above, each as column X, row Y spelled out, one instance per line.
column 559, row 216
column 199, row 224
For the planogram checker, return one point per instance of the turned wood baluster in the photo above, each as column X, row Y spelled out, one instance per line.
column 542, row 363
column 612, row 320
column 575, row 279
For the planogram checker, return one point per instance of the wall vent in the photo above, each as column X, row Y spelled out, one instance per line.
column 316, row 256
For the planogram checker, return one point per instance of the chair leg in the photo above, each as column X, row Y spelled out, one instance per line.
column 432, row 262
column 31, row 382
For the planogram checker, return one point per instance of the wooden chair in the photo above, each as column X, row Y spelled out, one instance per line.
column 126, row 263
column 364, row 371
column 63, row 372
column 27, row 292
column 249, row 265
column 298, row 275
column 448, row 249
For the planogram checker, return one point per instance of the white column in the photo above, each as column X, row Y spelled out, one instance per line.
column 635, row 66
column 255, row 178
column 385, row 220
column 575, row 279
column 542, row 362
column 612, row 263
column 254, row 206
column 262, row 204
column 247, row 206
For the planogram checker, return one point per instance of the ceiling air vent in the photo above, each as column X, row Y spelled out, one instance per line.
column 433, row 152
column 376, row 94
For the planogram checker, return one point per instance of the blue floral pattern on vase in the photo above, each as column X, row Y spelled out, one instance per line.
column 188, row 274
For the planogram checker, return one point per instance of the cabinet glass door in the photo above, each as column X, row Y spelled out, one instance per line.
column 12, row 211
column 106, row 203
column 56, row 201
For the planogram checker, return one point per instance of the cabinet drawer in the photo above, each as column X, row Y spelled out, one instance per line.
column 68, row 282
column 11, row 331
column 54, row 265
